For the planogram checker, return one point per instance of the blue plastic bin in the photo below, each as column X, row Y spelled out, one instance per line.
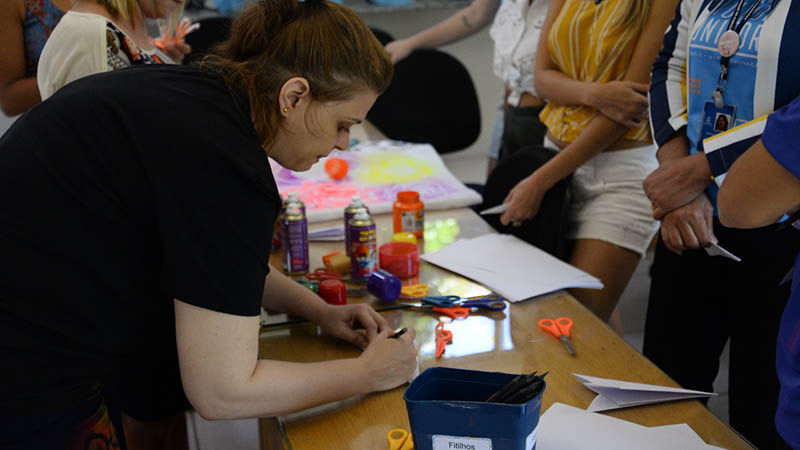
column 449, row 406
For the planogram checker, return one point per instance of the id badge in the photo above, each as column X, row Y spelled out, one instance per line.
column 716, row 119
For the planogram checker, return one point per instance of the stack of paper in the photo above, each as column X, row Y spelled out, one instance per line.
column 335, row 233
column 557, row 431
column 510, row 266
column 615, row 394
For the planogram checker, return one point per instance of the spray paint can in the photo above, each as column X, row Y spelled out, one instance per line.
column 293, row 198
column 349, row 212
column 363, row 246
column 294, row 237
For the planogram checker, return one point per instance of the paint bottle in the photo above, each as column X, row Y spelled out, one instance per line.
column 349, row 212
column 363, row 246
column 294, row 245
column 408, row 213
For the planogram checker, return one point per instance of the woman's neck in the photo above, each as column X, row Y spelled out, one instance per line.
column 138, row 33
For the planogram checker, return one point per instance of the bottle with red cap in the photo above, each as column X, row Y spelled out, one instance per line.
column 408, row 213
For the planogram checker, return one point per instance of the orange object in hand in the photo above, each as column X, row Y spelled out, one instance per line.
column 408, row 213
column 336, row 168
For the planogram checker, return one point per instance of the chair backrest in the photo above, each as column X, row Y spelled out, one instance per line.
column 212, row 31
column 547, row 230
column 432, row 99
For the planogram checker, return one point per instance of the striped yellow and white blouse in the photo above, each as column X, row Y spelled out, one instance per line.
column 586, row 44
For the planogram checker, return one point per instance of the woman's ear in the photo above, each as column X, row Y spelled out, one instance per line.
column 295, row 94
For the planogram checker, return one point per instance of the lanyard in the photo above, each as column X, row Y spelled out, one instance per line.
column 729, row 45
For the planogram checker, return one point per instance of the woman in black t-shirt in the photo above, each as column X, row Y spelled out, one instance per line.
column 141, row 220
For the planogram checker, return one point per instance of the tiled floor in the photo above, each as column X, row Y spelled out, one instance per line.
column 469, row 165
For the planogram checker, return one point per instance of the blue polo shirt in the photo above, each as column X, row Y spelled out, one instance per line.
column 781, row 138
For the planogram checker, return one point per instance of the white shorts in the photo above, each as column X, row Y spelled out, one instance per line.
column 608, row 201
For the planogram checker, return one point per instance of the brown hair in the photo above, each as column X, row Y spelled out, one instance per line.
column 638, row 10
column 126, row 10
column 274, row 40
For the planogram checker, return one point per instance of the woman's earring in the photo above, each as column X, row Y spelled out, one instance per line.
column 285, row 109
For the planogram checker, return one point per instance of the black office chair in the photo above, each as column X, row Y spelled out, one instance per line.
column 548, row 228
column 432, row 99
column 212, row 31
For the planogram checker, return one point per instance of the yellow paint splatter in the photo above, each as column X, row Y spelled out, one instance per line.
column 385, row 169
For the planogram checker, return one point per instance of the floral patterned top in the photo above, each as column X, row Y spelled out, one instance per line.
column 84, row 44
column 41, row 16
column 123, row 52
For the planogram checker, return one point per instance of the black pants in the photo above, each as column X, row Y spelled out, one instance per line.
column 698, row 302
column 521, row 128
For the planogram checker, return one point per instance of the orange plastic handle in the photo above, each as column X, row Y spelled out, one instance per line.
column 549, row 326
column 443, row 337
column 565, row 325
column 398, row 439
column 456, row 312
column 557, row 327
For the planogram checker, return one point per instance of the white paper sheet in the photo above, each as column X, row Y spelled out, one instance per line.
column 334, row 233
column 510, row 266
column 716, row 250
column 499, row 209
column 558, row 425
column 615, row 394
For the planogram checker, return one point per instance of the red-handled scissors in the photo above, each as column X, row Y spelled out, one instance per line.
column 323, row 273
column 443, row 337
column 559, row 328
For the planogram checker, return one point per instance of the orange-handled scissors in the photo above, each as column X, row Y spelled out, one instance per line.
column 323, row 273
column 559, row 328
column 443, row 337
column 415, row 290
column 399, row 439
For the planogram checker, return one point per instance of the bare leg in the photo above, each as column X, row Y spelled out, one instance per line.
column 166, row 434
column 613, row 265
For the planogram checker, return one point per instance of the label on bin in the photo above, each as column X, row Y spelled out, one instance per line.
column 441, row 442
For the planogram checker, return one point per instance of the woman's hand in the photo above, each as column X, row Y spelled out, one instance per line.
column 624, row 102
column 690, row 226
column 349, row 322
column 398, row 50
column 524, row 200
column 390, row 362
column 676, row 182
column 176, row 50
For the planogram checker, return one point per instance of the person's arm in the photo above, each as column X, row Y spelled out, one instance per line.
column 622, row 101
column 18, row 93
column 600, row 134
column 680, row 178
column 465, row 22
column 757, row 190
column 224, row 379
column 283, row 294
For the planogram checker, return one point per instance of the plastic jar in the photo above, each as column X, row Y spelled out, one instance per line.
column 408, row 213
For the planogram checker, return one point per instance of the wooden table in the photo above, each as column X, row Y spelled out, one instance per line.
column 508, row 341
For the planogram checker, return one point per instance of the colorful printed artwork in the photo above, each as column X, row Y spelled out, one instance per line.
column 377, row 172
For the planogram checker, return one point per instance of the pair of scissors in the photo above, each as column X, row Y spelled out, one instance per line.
column 399, row 439
column 323, row 273
column 415, row 290
column 455, row 312
column 488, row 303
column 443, row 337
column 560, row 328
column 442, row 301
